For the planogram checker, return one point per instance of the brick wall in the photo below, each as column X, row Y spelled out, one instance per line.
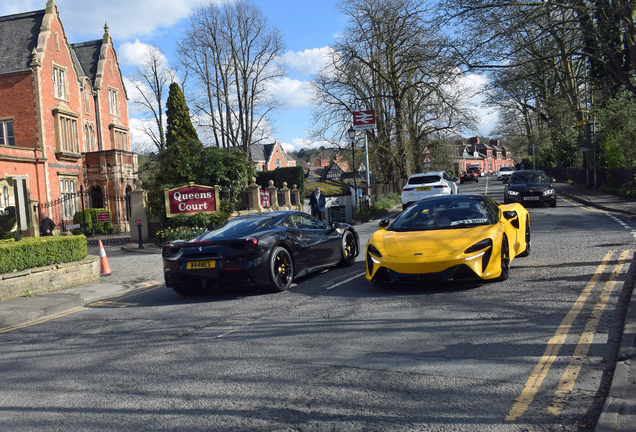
column 50, row 278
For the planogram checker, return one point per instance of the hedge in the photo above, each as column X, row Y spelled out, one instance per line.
column 292, row 175
column 33, row 252
column 92, row 227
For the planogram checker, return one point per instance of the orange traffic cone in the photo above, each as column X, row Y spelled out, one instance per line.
column 105, row 271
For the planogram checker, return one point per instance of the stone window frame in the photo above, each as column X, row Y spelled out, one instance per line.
column 87, row 99
column 5, row 138
column 66, row 134
column 118, row 136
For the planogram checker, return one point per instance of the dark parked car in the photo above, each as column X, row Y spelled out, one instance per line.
column 269, row 249
column 530, row 186
column 471, row 175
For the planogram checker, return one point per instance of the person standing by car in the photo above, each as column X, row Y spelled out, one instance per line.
column 317, row 203
column 46, row 225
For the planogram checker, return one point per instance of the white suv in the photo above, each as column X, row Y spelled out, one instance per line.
column 504, row 173
column 427, row 185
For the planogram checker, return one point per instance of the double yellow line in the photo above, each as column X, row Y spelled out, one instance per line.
column 116, row 302
column 568, row 379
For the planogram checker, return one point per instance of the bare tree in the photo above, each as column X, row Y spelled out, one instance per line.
column 233, row 54
column 151, row 80
column 390, row 59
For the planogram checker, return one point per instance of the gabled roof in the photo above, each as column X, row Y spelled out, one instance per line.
column 87, row 54
column 18, row 37
column 263, row 152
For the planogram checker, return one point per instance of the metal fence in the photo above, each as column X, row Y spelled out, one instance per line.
column 68, row 214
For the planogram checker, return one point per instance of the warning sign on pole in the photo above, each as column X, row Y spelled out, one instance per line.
column 425, row 150
column 427, row 160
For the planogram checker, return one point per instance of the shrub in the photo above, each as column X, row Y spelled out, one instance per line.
column 187, row 226
column 33, row 252
column 93, row 227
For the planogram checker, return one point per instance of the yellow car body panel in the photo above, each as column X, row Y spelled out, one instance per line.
column 431, row 252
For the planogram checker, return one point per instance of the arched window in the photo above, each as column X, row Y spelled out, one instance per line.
column 277, row 162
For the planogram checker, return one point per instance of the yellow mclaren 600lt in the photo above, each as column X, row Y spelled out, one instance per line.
column 449, row 238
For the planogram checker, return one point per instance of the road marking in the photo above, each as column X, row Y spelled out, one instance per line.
column 45, row 319
column 111, row 303
column 566, row 384
column 522, row 403
column 345, row 281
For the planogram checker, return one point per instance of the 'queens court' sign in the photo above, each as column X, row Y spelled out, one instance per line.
column 191, row 199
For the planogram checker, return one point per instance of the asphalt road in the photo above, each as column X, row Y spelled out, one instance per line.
column 335, row 352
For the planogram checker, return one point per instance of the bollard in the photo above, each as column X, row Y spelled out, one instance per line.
column 141, row 245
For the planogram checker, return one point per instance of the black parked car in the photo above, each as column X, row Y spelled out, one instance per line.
column 268, row 249
column 530, row 186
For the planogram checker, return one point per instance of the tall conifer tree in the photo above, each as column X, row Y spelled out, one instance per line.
column 179, row 125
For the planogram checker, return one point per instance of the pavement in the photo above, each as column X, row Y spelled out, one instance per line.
column 619, row 411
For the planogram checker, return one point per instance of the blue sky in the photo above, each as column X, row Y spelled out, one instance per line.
column 308, row 28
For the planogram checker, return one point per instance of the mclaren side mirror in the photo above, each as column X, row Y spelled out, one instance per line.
column 510, row 214
column 384, row 223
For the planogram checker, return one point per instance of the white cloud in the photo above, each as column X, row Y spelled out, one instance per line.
column 292, row 92
column 307, row 62
column 139, row 140
column 135, row 53
column 488, row 116
column 125, row 18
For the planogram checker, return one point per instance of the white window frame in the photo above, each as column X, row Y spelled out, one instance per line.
column 5, row 138
column 113, row 101
column 277, row 162
column 68, row 197
column 59, row 82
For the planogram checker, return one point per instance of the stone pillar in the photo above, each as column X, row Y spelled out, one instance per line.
column 286, row 191
column 34, row 223
column 273, row 195
column 296, row 192
column 138, row 210
column 255, row 191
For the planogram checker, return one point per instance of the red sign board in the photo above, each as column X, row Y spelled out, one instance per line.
column 103, row 216
column 364, row 119
column 265, row 199
column 191, row 199
column 137, row 222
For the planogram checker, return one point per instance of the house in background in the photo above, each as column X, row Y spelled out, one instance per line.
column 63, row 114
column 268, row 157
column 490, row 157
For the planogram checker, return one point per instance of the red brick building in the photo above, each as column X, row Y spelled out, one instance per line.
column 63, row 111
column 268, row 157
column 490, row 157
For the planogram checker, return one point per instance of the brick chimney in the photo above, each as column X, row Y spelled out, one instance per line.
column 494, row 142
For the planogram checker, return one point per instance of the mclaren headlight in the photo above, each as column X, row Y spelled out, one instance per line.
column 479, row 246
column 373, row 251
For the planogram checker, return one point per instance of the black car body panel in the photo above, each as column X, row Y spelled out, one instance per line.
column 238, row 253
column 470, row 175
column 530, row 187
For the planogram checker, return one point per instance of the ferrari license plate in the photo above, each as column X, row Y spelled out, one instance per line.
column 423, row 188
column 531, row 198
column 194, row 265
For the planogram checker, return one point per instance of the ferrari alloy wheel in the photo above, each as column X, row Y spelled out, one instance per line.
column 505, row 260
column 348, row 249
column 281, row 269
column 526, row 252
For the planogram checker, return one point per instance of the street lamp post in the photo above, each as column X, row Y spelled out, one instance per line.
column 352, row 137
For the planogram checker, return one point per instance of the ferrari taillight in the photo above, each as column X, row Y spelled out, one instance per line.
column 251, row 243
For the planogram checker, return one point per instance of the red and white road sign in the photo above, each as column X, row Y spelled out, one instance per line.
column 427, row 160
column 138, row 222
column 425, row 150
column 364, row 119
